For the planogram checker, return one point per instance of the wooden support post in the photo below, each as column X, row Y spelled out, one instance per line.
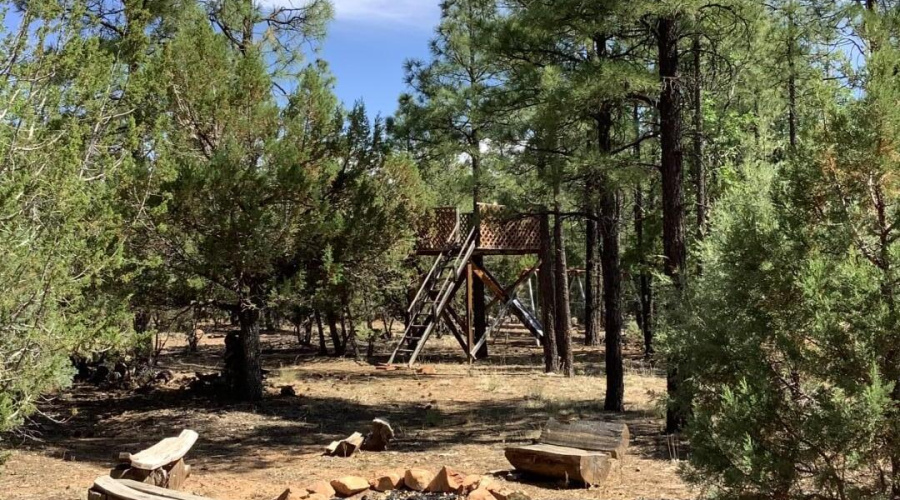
column 470, row 295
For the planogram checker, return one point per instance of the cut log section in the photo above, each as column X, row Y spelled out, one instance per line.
column 160, row 465
column 108, row 488
column 379, row 437
column 345, row 447
column 608, row 437
column 586, row 467
column 164, row 452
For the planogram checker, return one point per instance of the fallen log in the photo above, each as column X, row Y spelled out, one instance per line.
column 345, row 447
column 571, row 464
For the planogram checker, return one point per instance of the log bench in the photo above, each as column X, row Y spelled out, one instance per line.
column 107, row 488
column 577, row 451
column 161, row 465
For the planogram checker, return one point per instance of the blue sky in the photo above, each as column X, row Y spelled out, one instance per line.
column 367, row 43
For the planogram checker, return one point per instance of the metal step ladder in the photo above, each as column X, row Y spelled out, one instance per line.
column 429, row 303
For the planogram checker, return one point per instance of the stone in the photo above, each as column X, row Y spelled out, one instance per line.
column 447, row 480
column 368, row 495
column 387, row 481
column 349, row 485
column 472, row 482
column 418, row 479
column 321, row 488
column 480, row 494
column 317, row 496
column 499, row 492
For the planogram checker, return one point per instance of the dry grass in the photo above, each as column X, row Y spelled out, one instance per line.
column 462, row 417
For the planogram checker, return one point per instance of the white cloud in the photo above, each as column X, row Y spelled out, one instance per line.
column 424, row 13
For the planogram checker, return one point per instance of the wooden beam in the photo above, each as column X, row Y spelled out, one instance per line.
column 512, row 288
column 451, row 325
column 491, row 283
column 470, row 295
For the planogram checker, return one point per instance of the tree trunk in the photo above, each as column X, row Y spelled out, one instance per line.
column 323, row 349
column 547, row 296
column 244, row 373
column 479, row 323
column 591, row 324
column 563, row 324
column 792, row 84
column 335, row 336
column 352, row 339
column 591, row 331
column 612, row 274
column 699, row 167
column 645, row 279
column 672, row 170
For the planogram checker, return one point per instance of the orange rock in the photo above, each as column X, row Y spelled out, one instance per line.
column 418, row 479
column 321, row 488
column 447, row 480
column 480, row 494
column 502, row 493
column 349, row 485
column 387, row 481
column 471, row 482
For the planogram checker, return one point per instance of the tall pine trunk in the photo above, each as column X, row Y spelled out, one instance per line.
column 699, row 170
column 591, row 314
column 547, row 296
column 792, row 84
column 645, row 279
column 612, row 274
column 563, row 314
column 672, row 170
column 479, row 323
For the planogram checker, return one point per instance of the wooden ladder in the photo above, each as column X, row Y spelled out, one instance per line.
column 432, row 298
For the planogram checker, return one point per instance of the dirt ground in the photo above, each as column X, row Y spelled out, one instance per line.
column 462, row 416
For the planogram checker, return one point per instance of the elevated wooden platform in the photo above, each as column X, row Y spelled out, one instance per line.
column 502, row 232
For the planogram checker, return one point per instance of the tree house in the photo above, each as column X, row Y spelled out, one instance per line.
column 455, row 240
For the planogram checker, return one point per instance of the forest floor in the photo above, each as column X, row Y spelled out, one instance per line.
column 462, row 416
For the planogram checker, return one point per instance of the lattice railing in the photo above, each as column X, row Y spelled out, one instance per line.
column 501, row 230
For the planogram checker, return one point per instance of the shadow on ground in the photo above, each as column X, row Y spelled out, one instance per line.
column 87, row 425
